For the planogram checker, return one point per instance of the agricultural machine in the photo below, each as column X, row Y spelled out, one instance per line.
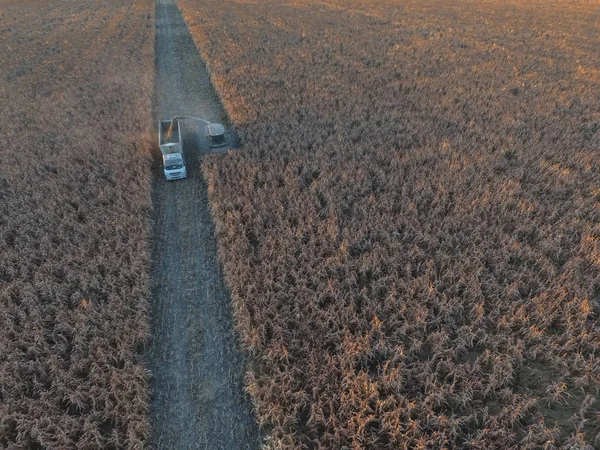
column 171, row 143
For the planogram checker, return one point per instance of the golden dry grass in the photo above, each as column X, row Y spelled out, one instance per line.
column 411, row 231
column 75, row 96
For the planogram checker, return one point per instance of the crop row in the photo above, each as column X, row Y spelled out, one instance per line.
column 410, row 233
column 76, row 85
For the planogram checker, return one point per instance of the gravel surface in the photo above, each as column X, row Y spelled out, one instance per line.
column 194, row 356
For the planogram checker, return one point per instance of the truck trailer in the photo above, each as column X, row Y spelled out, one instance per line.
column 171, row 149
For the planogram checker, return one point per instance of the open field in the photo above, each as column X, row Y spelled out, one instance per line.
column 409, row 235
column 411, row 232
column 75, row 107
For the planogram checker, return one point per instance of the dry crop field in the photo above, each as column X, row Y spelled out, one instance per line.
column 75, row 93
column 411, row 232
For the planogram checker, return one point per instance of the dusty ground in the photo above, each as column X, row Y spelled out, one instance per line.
column 197, row 370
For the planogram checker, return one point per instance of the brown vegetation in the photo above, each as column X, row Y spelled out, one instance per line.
column 75, row 91
column 411, row 232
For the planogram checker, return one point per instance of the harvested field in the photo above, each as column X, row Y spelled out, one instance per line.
column 411, row 232
column 75, row 108
column 198, row 371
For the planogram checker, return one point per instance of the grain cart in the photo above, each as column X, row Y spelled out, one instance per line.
column 171, row 149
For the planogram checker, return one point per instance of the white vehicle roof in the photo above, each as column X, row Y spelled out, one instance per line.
column 215, row 129
column 167, row 149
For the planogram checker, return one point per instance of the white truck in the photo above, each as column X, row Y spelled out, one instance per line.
column 171, row 149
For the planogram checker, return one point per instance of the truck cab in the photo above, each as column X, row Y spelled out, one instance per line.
column 174, row 164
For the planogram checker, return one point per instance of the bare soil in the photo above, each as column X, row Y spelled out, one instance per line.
column 198, row 371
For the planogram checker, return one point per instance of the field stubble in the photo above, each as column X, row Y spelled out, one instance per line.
column 198, row 369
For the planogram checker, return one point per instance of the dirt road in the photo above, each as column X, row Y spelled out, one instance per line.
column 198, row 396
